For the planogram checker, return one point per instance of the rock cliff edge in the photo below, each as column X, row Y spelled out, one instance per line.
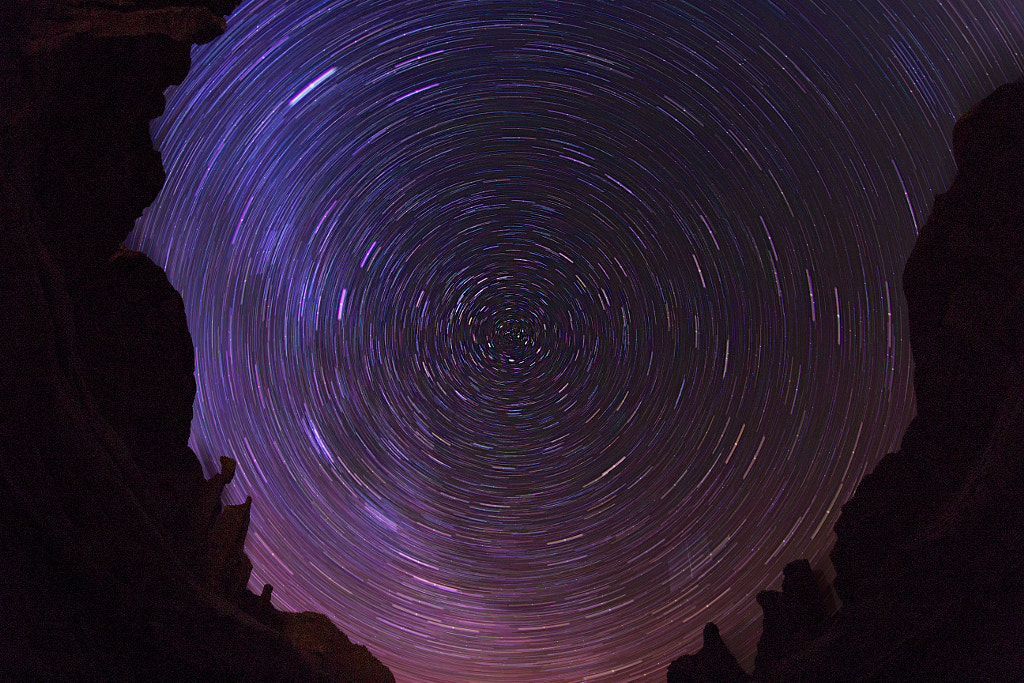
column 929, row 552
column 118, row 561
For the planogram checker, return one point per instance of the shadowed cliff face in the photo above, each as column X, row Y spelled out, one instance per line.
column 117, row 559
column 929, row 555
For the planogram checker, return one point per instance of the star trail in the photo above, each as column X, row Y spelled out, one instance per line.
column 545, row 332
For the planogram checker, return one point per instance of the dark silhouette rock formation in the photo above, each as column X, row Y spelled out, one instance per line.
column 793, row 618
column 929, row 552
column 712, row 664
column 322, row 644
column 118, row 561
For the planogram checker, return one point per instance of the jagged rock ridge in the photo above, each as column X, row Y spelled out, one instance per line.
column 929, row 555
column 117, row 559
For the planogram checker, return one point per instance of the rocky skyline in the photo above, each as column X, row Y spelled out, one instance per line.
column 528, row 338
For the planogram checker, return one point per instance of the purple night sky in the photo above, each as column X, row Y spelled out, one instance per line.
column 545, row 332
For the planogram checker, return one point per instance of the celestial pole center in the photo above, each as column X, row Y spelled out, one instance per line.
column 545, row 332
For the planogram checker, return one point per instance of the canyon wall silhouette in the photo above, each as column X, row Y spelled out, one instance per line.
column 119, row 562
column 929, row 552
column 117, row 559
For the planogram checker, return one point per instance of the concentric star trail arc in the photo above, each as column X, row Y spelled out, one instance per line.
column 545, row 332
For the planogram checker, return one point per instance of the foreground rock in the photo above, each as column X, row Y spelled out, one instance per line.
column 117, row 559
column 929, row 555
column 793, row 619
column 713, row 663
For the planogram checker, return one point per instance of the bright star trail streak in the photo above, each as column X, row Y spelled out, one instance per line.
column 545, row 332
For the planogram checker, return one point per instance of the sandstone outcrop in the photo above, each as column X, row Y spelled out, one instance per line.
column 713, row 663
column 117, row 559
column 793, row 618
column 929, row 552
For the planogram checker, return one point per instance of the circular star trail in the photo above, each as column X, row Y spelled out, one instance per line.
column 545, row 332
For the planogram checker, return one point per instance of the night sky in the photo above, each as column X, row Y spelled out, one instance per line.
column 545, row 332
